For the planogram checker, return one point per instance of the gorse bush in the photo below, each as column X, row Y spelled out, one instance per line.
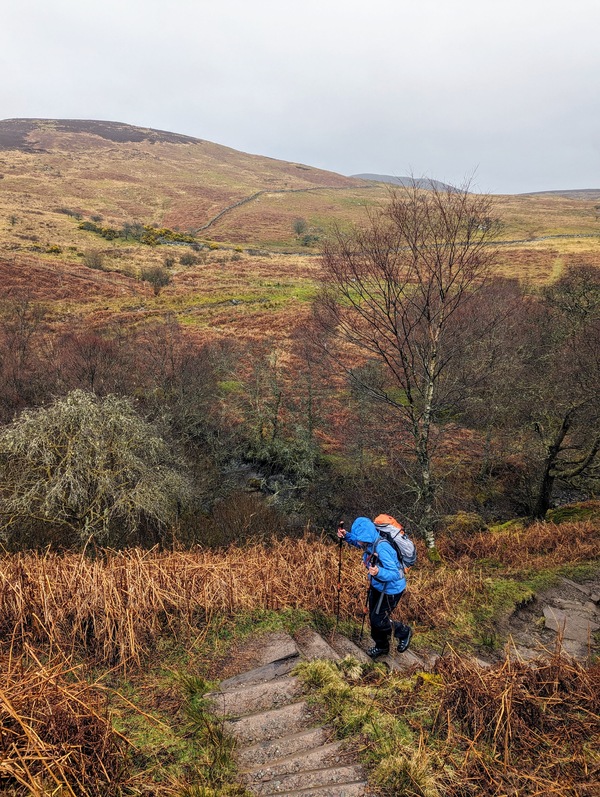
column 89, row 464
column 144, row 233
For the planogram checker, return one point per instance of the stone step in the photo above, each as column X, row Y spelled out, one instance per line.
column 267, row 672
column 575, row 648
column 313, row 646
column 571, row 625
column 276, row 645
column 354, row 789
column 401, row 662
column 327, row 755
column 345, row 647
column 580, row 587
column 587, row 608
column 266, row 725
column 302, row 781
column 280, row 747
column 256, row 697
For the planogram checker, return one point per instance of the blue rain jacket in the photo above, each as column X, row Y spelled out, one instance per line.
column 390, row 579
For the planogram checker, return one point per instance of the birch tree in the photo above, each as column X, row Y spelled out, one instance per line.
column 401, row 291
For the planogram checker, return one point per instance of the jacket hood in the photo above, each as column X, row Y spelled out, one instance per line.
column 363, row 530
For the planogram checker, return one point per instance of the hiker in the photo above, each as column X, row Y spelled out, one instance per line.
column 387, row 583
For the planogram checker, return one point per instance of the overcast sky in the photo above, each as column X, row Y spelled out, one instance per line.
column 507, row 90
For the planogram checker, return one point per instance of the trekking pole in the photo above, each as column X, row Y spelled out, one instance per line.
column 374, row 560
column 365, row 611
column 339, row 583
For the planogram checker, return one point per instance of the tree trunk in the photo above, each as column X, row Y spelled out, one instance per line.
column 544, row 494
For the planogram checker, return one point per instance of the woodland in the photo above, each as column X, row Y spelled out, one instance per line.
column 417, row 379
column 209, row 359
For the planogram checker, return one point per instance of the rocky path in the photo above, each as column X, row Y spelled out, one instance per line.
column 282, row 746
column 568, row 614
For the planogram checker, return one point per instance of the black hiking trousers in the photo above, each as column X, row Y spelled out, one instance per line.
column 380, row 608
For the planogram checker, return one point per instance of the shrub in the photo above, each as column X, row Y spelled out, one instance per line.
column 89, row 226
column 187, row 259
column 94, row 259
column 157, row 276
column 300, row 226
column 464, row 524
column 68, row 212
column 91, row 465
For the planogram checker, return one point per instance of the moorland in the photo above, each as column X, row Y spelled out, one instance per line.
column 177, row 445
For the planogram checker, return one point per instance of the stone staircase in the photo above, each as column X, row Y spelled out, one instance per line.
column 282, row 747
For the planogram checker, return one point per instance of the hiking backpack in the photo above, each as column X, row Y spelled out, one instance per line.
column 391, row 531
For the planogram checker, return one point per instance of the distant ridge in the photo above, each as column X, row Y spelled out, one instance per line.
column 15, row 133
column 569, row 193
column 419, row 182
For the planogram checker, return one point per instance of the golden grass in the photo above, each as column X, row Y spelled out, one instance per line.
column 524, row 726
column 56, row 734
column 113, row 609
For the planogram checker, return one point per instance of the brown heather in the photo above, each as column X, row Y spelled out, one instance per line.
column 56, row 734
column 113, row 609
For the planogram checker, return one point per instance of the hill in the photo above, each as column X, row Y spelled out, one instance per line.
column 571, row 193
column 419, row 182
column 122, row 171
column 82, row 203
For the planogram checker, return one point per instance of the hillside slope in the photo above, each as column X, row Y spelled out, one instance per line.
column 124, row 173
column 255, row 218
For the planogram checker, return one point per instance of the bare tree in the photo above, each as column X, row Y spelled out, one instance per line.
column 22, row 334
column 563, row 384
column 401, row 292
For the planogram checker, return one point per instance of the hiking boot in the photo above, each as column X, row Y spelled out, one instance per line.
column 375, row 651
column 405, row 642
